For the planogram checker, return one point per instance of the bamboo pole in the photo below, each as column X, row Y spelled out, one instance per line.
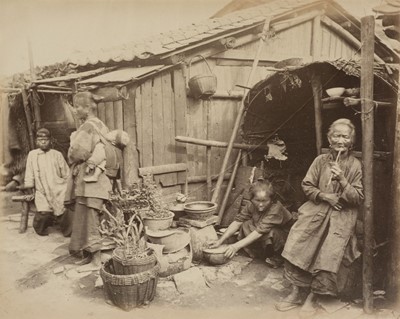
column 240, row 114
column 229, row 188
column 367, row 121
column 317, row 95
column 208, row 150
column 198, row 141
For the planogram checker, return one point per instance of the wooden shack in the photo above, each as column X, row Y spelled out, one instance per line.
column 154, row 73
column 145, row 85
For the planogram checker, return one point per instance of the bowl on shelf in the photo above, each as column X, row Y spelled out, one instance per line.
column 200, row 210
column 335, row 92
column 215, row 256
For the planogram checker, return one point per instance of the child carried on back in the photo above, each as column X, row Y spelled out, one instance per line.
column 263, row 225
column 97, row 161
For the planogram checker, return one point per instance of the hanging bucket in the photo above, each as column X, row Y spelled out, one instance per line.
column 202, row 86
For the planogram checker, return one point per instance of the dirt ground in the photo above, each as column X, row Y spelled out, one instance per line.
column 30, row 286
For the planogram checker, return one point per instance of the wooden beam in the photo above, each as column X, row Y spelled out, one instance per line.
column 203, row 178
column 198, row 141
column 10, row 90
column 242, row 56
column 316, row 44
column 226, row 94
column 234, row 95
column 289, row 23
column 346, row 35
column 162, row 169
column 316, row 86
column 367, row 121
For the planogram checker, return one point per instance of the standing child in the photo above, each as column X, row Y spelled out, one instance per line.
column 263, row 226
column 46, row 172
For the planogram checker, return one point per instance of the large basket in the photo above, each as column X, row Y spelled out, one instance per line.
column 129, row 291
column 123, row 266
column 202, row 86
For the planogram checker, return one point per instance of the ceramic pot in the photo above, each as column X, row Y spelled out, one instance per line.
column 153, row 223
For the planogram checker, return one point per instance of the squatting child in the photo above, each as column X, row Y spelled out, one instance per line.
column 263, row 225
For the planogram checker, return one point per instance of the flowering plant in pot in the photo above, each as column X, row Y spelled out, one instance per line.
column 131, row 254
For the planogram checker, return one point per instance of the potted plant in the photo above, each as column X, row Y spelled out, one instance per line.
column 131, row 254
column 130, row 277
column 158, row 216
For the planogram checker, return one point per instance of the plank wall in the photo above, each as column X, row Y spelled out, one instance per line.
column 158, row 109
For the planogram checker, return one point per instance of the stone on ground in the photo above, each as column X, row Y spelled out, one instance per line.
column 58, row 270
column 73, row 274
column 331, row 305
column 190, row 281
column 98, row 283
column 166, row 290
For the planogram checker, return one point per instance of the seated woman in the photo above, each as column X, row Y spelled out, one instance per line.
column 263, row 225
column 323, row 241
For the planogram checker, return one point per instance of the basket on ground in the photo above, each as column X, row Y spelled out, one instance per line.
column 129, row 291
column 136, row 264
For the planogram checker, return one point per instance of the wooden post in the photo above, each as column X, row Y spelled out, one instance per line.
column 394, row 270
column 208, row 151
column 131, row 156
column 316, row 38
column 29, row 120
column 317, row 94
column 367, row 121
column 229, row 188
column 36, row 109
column 31, row 64
column 240, row 114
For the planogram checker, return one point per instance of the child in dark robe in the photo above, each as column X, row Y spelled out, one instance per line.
column 263, row 226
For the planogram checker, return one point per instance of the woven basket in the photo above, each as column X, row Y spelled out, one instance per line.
column 123, row 266
column 202, row 86
column 129, row 291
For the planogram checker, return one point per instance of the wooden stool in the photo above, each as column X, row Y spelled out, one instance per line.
column 24, row 200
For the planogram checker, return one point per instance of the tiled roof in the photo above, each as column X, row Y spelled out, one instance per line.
column 173, row 40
